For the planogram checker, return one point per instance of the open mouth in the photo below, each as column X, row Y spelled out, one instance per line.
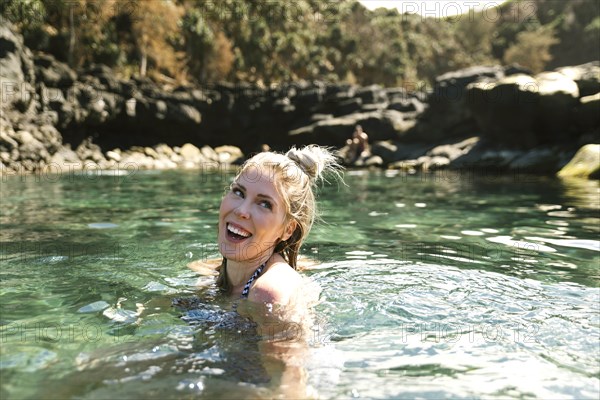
column 236, row 233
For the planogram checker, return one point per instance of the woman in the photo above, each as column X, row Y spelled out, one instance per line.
column 263, row 220
column 264, row 217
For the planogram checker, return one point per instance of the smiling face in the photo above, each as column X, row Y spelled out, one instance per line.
column 252, row 218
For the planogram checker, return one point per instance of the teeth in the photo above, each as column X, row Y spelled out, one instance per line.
column 237, row 231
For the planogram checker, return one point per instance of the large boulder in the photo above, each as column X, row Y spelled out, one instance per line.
column 446, row 115
column 309, row 97
column 541, row 160
column 587, row 113
column 586, row 76
column 558, row 98
column 585, row 163
column 379, row 125
column 505, row 109
column 451, row 84
column 391, row 151
column 525, row 111
column 229, row 154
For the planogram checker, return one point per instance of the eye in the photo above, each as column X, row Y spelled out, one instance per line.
column 266, row 204
column 237, row 191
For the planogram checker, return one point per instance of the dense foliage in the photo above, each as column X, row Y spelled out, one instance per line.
column 279, row 40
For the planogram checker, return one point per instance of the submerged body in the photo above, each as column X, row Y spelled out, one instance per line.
column 263, row 219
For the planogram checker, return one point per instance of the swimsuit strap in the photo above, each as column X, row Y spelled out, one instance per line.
column 252, row 278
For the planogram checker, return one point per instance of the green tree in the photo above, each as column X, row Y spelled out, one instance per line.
column 155, row 29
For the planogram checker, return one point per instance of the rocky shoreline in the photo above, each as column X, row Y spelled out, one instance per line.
column 495, row 118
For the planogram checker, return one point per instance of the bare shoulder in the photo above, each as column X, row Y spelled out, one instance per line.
column 277, row 285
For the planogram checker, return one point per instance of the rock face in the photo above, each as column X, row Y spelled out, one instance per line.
column 525, row 111
column 17, row 75
column 488, row 117
column 446, row 115
column 41, row 96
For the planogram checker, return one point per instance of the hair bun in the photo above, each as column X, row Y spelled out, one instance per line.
column 314, row 161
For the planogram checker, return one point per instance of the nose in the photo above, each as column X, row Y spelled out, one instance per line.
column 242, row 211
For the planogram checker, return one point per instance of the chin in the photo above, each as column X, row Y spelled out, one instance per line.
column 229, row 251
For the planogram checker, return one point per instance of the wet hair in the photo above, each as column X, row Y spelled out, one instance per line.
column 296, row 174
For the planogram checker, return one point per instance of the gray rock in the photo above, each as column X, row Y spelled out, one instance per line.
column 391, row 151
column 7, row 134
column 379, row 125
column 347, row 106
column 370, row 161
column 16, row 60
column 88, row 151
column 585, row 163
column 52, row 72
column 150, row 152
column 189, row 152
column 164, row 150
column 540, row 160
column 371, row 94
column 411, row 105
column 586, row 76
column 408, row 166
column 386, row 150
column 49, row 136
column 587, row 114
column 452, row 151
column 320, row 117
column 209, row 154
column 229, row 154
column 65, row 159
column 506, row 109
column 524, row 111
column 555, row 119
column 113, row 155
column 373, row 107
column 30, row 149
column 397, row 93
column 451, row 84
column 482, row 156
column 447, row 115
column 431, row 163
column 183, row 114
column 17, row 77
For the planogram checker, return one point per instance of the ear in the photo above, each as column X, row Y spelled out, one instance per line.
column 289, row 229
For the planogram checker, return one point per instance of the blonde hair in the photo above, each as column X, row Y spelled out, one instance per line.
column 296, row 174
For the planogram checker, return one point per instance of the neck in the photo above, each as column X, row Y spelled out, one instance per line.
column 238, row 272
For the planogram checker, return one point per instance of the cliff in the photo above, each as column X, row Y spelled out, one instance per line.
column 502, row 118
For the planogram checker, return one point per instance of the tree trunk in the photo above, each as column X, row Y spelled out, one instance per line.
column 143, row 63
column 71, row 38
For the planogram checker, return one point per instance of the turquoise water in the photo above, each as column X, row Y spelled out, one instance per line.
column 453, row 285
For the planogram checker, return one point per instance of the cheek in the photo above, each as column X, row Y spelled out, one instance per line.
column 276, row 227
column 226, row 206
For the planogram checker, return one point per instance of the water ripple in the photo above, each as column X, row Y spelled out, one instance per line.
column 461, row 326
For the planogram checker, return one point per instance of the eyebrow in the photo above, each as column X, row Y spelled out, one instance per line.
column 265, row 196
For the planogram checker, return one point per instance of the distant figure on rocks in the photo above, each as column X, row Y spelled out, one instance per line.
column 358, row 146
